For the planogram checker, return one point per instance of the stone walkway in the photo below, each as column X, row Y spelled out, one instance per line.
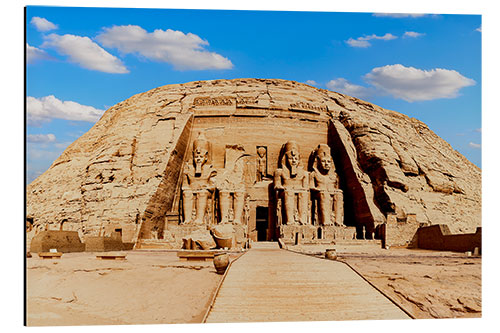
column 269, row 284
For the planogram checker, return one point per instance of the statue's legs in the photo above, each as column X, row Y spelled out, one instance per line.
column 289, row 201
column 187, row 205
column 239, row 203
column 338, row 207
column 325, row 208
column 303, row 199
column 225, row 205
column 201, row 203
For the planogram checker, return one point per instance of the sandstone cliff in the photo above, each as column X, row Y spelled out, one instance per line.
column 388, row 163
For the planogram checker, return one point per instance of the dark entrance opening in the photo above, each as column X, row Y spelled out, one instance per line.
column 61, row 227
column 262, row 223
column 119, row 231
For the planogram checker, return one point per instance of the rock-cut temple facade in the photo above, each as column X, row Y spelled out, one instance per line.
column 250, row 160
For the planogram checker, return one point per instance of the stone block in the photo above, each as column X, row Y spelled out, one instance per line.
column 63, row 241
column 103, row 244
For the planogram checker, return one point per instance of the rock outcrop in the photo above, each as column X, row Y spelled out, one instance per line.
column 125, row 172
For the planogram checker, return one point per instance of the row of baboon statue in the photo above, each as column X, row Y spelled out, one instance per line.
column 294, row 187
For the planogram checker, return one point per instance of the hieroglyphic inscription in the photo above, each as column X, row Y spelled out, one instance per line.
column 247, row 100
column 214, row 101
column 229, row 101
column 308, row 106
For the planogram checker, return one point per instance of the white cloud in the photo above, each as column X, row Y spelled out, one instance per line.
column 480, row 29
column 41, row 156
column 39, row 159
column 32, row 174
column 34, row 54
column 311, row 83
column 63, row 145
column 42, row 24
column 475, row 145
column 345, row 87
column 479, row 130
column 44, row 109
column 358, row 43
column 387, row 36
column 363, row 41
column 86, row 53
column 412, row 84
column 41, row 138
column 398, row 15
column 412, row 34
column 183, row 51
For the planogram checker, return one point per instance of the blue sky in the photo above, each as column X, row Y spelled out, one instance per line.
column 83, row 60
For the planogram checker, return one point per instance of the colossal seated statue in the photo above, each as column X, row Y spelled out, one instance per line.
column 325, row 190
column 291, row 182
column 198, row 183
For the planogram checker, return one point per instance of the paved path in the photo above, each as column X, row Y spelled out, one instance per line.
column 269, row 284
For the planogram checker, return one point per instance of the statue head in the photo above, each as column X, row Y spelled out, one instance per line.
column 291, row 157
column 261, row 151
column 201, row 149
column 324, row 159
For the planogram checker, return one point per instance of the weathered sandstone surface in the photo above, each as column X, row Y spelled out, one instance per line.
column 126, row 169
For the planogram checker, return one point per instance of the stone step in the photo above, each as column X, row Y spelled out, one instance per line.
column 358, row 242
column 265, row 245
column 154, row 244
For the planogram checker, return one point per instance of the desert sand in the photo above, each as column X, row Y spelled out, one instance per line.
column 146, row 288
column 427, row 284
column 157, row 288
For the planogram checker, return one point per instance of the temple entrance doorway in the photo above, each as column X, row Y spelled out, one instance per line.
column 262, row 223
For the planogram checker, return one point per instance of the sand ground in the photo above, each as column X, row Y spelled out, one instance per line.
column 158, row 288
column 146, row 288
column 427, row 284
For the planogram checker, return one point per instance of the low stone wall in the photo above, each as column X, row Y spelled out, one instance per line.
column 63, row 241
column 315, row 234
column 399, row 232
column 154, row 244
column 439, row 237
column 103, row 244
